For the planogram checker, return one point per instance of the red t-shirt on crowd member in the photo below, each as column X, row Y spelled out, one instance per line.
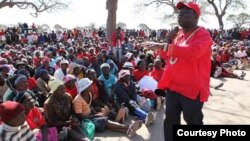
column 73, row 92
column 94, row 90
column 190, row 74
column 114, row 38
column 139, row 74
column 36, row 61
column 225, row 58
column 35, row 118
column 32, row 83
column 156, row 73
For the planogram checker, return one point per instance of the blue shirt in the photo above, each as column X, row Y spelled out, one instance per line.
column 108, row 83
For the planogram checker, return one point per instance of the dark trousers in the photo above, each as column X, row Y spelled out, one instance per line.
column 175, row 104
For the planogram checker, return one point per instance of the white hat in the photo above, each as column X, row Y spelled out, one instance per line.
column 123, row 73
column 129, row 55
column 128, row 65
column 64, row 62
column 84, row 84
column 105, row 65
column 54, row 84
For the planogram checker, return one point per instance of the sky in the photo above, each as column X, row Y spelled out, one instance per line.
column 84, row 12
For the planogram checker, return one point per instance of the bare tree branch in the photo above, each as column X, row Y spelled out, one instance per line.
column 39, row 6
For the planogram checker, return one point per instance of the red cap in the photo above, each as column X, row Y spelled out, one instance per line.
column 191, row 5
column 10, row 110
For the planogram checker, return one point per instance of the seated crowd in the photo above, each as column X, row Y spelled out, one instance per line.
column 61, row 90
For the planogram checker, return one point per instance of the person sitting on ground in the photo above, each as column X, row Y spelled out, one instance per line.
column 125, row 92
column 14, row 127
column 70, row 85
column 157, row 71
column 58, row 112
column 108, row 79
column 103, row 103
column 18, row 84
column 62, row 72
column 32, row 84
column 113, row 67
column 45, row 64
column 218, row 71
column 34, row 117
column 83, row 110
column 140, row 71
column 3, row 87
column 42, row 82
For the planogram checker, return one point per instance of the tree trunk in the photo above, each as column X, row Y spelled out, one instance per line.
column 221, row 24
column 111, row 6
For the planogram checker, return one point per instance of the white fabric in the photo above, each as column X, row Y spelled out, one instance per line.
column 148, row 82
column 240, row 54
column 59, row 74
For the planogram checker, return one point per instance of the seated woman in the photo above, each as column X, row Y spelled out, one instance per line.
column 70, row 85
column 113, row 67
column 34, row 117
column 140, row 71
column 17, row 84
column 58, row 111
column 217, row 70
column 42, row 83
column 83, row 110
column 14, row 126
column 101, row 102
column 32, row 83
column 108, row 79
column 157, row 71
column 126, row 93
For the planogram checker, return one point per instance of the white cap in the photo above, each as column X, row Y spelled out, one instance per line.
column 84, row 84
column 128, row 65
column 123, row 73
column 105, row 65
column 129, row 55
column 64, row 62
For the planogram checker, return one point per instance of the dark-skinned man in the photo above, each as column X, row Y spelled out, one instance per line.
column 187, row 73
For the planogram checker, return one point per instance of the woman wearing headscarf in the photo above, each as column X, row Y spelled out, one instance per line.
column 34, row 117
column 13, row 117
column 101, row 102
column 113, row 67
column 58, row 110
column 45, row 64
column 70, row 85
column 17, row 85
column 125, row 92
column 83, row 110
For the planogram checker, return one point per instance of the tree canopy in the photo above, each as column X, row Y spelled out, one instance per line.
column 218, row 8
column 239, row 20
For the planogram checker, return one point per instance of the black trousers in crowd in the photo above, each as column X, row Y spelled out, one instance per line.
column 175, row 104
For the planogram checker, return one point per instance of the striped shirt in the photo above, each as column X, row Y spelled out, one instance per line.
column 20, row 133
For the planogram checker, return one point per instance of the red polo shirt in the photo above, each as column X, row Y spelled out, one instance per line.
column 190, row 75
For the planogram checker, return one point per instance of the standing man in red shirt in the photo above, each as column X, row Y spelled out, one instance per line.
column 187, row 74
column 117, row 39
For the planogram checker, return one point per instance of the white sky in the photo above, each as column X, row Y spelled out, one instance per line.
column 84, row 12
